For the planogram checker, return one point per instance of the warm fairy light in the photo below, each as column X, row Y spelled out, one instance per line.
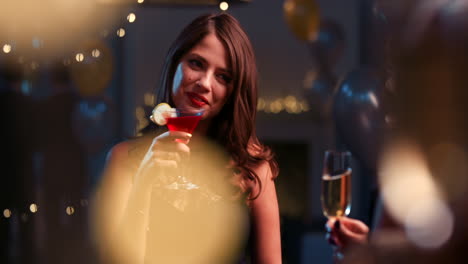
column 131, row 17
column 304, row 106
column 140, row 1
column 79, row 57
column 139, row 112
column 34, row 65
column 291, row 105
column 223, row 6
column 7, row 48
column 150, row 99
column 95, row 53
column 70, row 210
column 7, row 213
column 33, row 208
column 261, row 104
column 121, row 32
column 276, row 106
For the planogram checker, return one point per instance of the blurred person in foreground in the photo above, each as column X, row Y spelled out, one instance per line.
column 430, row 61
column 210, row 66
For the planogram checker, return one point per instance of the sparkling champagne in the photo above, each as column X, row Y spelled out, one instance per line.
column 336, row 194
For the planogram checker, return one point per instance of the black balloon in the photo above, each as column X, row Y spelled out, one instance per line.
column 94, row 123
column 361, row 117
column 330, row 44
column 319, row 88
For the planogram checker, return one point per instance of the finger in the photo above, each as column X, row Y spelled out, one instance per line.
column 163, row 163
column 329, row 224
column 355, row 225
column 172, row 135
column 182, row 148
column 347, row 235
column 167, row 155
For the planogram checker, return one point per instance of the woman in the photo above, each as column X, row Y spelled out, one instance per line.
column 210, row 66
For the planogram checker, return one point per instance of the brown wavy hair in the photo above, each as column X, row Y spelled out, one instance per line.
column 234, row 127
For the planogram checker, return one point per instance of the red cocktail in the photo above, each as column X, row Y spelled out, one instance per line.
column 183, row 123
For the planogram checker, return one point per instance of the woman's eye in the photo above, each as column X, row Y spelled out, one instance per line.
column 225, row 78
column 195, row 63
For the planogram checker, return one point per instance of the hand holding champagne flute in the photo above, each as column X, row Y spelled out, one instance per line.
column 336, row 187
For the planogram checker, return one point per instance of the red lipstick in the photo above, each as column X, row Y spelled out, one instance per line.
column 197, row 100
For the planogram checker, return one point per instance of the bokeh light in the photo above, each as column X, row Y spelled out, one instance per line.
column 121, row 32
column 70, row 210
column 79, row 57
column 7, row 213
column 131, row 17
column 223, row 6
column 141, row 1
column 429, row 223
column 33, row 208
column 7, row 48
column 183, row 224
column 412, row 196
column 50, row 28
column 95, row 53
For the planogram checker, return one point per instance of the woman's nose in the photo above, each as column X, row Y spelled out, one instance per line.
column 206, row 80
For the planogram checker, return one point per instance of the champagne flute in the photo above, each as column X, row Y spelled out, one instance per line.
column 336, row 187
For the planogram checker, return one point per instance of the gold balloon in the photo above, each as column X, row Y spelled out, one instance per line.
column 92, row 68
column 302, row 17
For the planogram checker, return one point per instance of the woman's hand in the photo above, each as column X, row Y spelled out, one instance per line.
column 346, row 232
column 165, row 154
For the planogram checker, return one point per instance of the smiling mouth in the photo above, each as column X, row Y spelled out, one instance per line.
column 197, row 100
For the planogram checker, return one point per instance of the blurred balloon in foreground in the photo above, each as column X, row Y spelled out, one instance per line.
column 319, row 88
column 361, row 115
column 92, row 68
column 412, row 196
column 51, row 28
column 330, row 43
column 187, row 226
column 94, row 123
column 303, row 18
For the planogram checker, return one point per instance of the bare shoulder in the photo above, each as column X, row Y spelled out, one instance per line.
column 120, row 159
column 119, row 151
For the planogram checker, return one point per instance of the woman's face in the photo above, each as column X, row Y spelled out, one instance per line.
column 203, row 78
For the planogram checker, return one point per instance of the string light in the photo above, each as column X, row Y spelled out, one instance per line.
column 34, row 65
column 223, row 6
column 7, row 213
column 70, row 210
column 7, row 48
column 131, row 17
column 149, row 99
column 121, row 32
column 33, row 208
column 95, row 53
column 79, row 57
column 289, row 104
